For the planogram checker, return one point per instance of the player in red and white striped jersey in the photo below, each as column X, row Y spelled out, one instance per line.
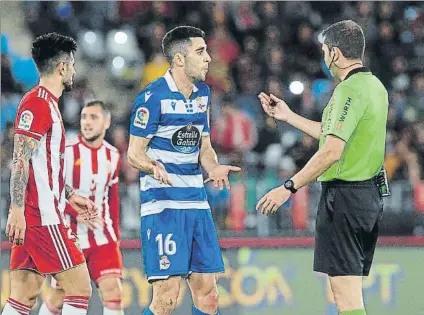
column 92, row 167
column 42, row 243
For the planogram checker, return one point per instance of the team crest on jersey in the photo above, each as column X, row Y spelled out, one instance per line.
column 164, row 263
column 141, row 118
column 201, row 105
column 186, row 139
column 26, row 119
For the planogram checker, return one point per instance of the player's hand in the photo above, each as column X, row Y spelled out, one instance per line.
column 93, row 224
column 84, row 206
column 16, row 226
column 275, row 107
column 160, row 174
column 219, row 175
column 273, row 200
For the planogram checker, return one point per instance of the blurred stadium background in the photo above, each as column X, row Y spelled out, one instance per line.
column 255, row 46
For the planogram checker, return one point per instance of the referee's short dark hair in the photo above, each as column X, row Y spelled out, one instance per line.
column 346, row 35
column 177, row 40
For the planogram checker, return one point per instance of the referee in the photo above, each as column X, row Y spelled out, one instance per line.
column 348, row 164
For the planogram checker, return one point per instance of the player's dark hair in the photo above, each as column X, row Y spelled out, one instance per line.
column 348, row 37
column 50, row 49
column 101, row 104
column 176, row 40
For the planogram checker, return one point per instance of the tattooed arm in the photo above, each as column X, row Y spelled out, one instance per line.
column 69, row 192
column 24, row 148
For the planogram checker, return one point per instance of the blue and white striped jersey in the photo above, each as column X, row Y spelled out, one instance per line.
column 175, row 126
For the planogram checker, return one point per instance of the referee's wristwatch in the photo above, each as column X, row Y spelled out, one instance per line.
column 289, row 185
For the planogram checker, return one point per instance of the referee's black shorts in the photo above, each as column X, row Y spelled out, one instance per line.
column 347, row 227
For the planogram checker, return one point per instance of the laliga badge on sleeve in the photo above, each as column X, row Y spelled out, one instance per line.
column 26, row 119
column 141, row 118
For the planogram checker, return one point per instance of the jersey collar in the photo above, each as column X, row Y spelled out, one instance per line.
column 171, row 83
column 50, row 94
column 82, row 141
column 357, row 70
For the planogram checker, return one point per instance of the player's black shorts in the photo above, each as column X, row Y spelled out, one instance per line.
column 347, row 227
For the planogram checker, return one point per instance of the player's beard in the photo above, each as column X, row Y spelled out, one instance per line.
column 67, row 86
column 93, row 138
column 195, row 76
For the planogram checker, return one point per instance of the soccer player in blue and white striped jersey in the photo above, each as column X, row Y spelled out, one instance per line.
column 169, row 144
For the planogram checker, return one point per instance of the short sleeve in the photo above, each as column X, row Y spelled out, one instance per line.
column 207, row 127
column 344, row 113
column 145, row 115
column 34, row 119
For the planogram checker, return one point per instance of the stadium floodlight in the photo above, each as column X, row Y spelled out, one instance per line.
column 118, row 62
column 296, row 87
column 121, row 37
column 90, row 37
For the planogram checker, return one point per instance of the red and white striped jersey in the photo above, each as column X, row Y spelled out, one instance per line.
column 39, row 118
column 93, row 172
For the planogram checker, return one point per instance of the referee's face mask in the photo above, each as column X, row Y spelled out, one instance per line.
column 329, row 57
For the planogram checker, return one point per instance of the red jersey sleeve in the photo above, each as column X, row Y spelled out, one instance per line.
column 114, row 203
column 34, row 118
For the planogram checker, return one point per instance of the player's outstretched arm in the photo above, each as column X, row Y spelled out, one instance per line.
column 138, row 159
column 209, row 161
column 278, row 109
column 24, row 148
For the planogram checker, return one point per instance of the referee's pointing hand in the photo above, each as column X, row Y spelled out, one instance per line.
column 270, row 203
column 275, row 107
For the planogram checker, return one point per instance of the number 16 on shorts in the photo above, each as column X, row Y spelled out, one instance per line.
column 166, row 247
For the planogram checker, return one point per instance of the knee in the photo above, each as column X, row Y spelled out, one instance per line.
column 75, row 282
column 347, row 293
column 27, row 298
column 55, row 300
column 85, row 290
column 165, row 301
column 207, row 299
column 78, row 289
column 112, row 293
column 111, row 290
column 25, row 293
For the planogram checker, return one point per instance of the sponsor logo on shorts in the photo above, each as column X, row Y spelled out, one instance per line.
column 186, row 139
column 148, row 233
column 164, row 263
column 26, row 119
column 141, row 118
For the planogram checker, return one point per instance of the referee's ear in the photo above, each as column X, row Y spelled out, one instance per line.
column 337, row 54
